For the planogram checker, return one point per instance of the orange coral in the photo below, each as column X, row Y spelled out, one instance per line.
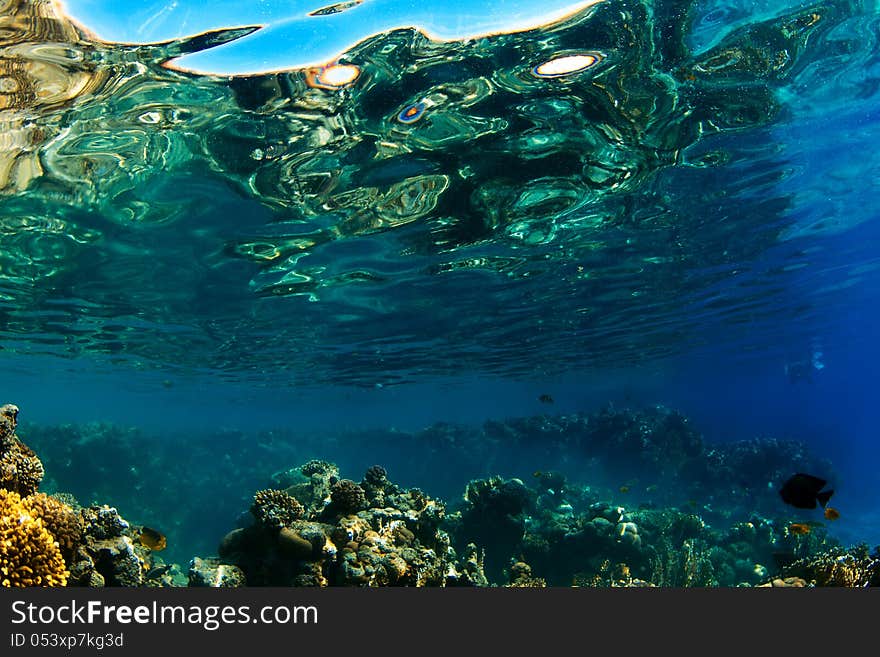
column 29, row 554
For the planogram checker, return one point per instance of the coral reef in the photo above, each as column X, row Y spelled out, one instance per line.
column 29, row 554
column 520, row 577
column 375, row 535
column 565, row 534
column 556, row 533
column 347, row 497
column 854, row 567
column 60, row 520
column 373, row 484
column 312, row 528
column 494, row 517
column 610, row 576
column 316, row 491
column 276, row 508
column 723, row 483
column 108, row 554
column 788, row 582
column 21, row 470
column 51, row 540
column 210, row 572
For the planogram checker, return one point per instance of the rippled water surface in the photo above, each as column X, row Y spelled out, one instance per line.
column 420, row 207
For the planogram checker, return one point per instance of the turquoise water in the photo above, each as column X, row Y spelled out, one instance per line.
column 422, row 230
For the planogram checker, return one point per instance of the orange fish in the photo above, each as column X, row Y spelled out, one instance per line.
column 831, row 514
column 799, row 528
column 624, row 489
column 152, row 539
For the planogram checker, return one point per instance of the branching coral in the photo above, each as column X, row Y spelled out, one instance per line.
column 855, row 567
column 29, row 554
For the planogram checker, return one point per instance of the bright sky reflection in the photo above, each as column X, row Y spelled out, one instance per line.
column 293, row 39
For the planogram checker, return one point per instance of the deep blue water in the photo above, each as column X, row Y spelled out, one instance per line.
column 183, row 270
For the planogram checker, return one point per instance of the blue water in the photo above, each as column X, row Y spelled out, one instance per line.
column 204, row 253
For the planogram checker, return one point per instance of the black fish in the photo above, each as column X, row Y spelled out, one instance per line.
column 545, row 399
column 802, row 491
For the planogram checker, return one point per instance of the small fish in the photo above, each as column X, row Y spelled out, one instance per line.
column 802, row 491
column 799, row 528
column 831, row 513
column 545, row 399
column 624, row 489
column 152, row 539
column 157, row 571
column 652, row 488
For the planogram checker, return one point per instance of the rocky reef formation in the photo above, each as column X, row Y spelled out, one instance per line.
column 309, row 526
column 656, row 447
column 568, row 535
column 325, row 531
column 21, row 471
column 655, row 452
column 48, row 540
column 857, row 566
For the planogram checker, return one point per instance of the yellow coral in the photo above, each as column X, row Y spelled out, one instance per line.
column 29, row 555
column 58, row 518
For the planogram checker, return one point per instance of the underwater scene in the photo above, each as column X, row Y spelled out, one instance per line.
column 385, row 293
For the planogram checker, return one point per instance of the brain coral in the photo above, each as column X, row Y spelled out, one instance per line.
column 29, row 555
column 347, row 496
column 276, row 508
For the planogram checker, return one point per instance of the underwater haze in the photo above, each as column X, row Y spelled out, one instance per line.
column 594, row 278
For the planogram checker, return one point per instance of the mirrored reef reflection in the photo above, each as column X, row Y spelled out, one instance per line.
column 422, row 193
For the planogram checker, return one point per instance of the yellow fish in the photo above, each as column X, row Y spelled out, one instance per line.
column 152, row 539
